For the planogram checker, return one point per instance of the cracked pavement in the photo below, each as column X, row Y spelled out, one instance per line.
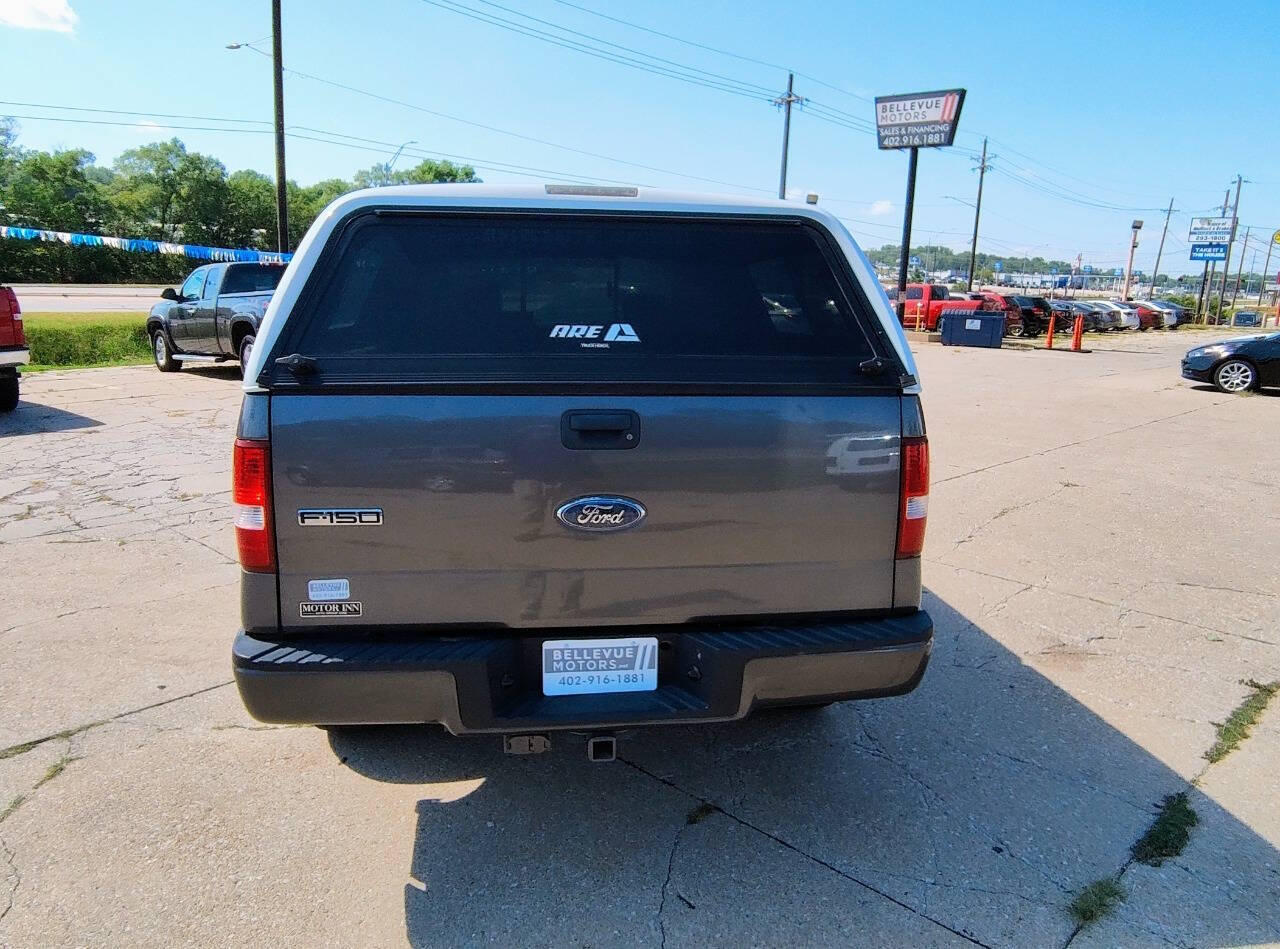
column 1099, row 569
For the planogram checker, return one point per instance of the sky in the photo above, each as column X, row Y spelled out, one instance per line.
column 1096, row 113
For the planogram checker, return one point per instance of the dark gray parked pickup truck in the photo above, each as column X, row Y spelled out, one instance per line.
column 516, row 460
column 214, row 316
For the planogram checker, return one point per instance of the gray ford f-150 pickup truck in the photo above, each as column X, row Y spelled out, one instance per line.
column 214, row 316
column 516, row 460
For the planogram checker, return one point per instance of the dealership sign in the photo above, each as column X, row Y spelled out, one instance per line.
column 1217, row 251
column 918, row 120
column 1211, row 230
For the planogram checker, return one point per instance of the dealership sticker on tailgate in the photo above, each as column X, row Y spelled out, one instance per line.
column 330, row 609
column 587, row 666
column 337, row 589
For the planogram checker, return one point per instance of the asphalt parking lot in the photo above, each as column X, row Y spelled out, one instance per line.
column 1101, row 566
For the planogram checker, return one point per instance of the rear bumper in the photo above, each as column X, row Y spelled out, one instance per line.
column 15, row 356
column 492, row 684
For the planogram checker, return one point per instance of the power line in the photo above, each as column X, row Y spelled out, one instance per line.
column 501, row 131
column 152, row 115
column 747, row 90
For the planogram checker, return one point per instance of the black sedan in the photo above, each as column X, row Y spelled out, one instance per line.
column 1236, row 365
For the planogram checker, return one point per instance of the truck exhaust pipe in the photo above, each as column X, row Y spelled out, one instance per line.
column 602, row 748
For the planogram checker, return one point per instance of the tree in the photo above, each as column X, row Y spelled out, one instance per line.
column 427, row 171
column 251, row 210
column 55, row 191
column 146, row 188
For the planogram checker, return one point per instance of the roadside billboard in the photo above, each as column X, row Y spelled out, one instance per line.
column 1211, row 230
column 918, row 119
column 1208, row 252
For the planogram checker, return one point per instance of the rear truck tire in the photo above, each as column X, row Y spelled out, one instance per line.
column 1234, row 376
column 9, row 393
column 246, row 351
column 162, row 353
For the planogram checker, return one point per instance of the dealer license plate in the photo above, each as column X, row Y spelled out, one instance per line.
column 590, row 666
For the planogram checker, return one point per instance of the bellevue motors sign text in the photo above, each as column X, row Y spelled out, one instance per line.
column 919, row 119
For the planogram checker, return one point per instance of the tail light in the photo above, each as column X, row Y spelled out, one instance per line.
column 19, row 335
column 251, row 503
column 913, row 508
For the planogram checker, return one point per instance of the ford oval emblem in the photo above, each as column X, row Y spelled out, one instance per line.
column 601, row 513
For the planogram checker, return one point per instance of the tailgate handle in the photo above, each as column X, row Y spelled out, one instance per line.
column 599, row 430
column 600, row 421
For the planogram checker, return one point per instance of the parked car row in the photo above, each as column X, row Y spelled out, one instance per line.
column 1102, row 316
column 1028, row 316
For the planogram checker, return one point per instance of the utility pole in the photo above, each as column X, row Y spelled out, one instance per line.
column 1206, row 282
column 282, row 187
column 786, row 102
column 1160, row 253
column 1262, row 284
column 1244, row 249
column 977, row 213
column 1226, row 264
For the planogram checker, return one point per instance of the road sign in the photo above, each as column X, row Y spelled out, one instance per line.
column 1119, row 272
column 1053, row 271
column 998, row 266
column 1088, row 268
column 1209, row 251
column 1275, row 238
column 914, row 261
column 918, row 119
column 1211, row 230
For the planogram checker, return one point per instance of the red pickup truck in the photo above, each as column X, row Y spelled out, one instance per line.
column 13, row 348
column 926, row 302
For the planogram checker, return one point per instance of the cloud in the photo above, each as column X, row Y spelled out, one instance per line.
column 883, row 206
column 146, row 125
column 55, row 15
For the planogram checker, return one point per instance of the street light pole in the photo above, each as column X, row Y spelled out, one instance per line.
column 386, row 169
column 282, row 188
column 1128, row 270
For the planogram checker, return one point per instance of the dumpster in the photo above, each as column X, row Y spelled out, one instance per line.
column 972, row 328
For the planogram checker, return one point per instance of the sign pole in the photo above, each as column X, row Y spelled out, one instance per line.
column 914, row 121
column 906, row 231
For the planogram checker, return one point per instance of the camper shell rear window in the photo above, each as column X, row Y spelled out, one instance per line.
column 444, row 297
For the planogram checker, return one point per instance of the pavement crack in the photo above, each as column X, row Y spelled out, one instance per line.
column 1217, row 589
column 21, row 749
column 1101, row 602
column 1077, row 442
column 786, row 844
column 666, row 884
column 13, row 878
column 1011, row 509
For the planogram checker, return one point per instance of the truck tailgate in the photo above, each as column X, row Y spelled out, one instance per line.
column 755, row 505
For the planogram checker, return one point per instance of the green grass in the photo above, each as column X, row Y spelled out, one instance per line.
column 82, row 340
column 1168, row 833
column 1096, row 900
column 12, row 806
column 1236, row 728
